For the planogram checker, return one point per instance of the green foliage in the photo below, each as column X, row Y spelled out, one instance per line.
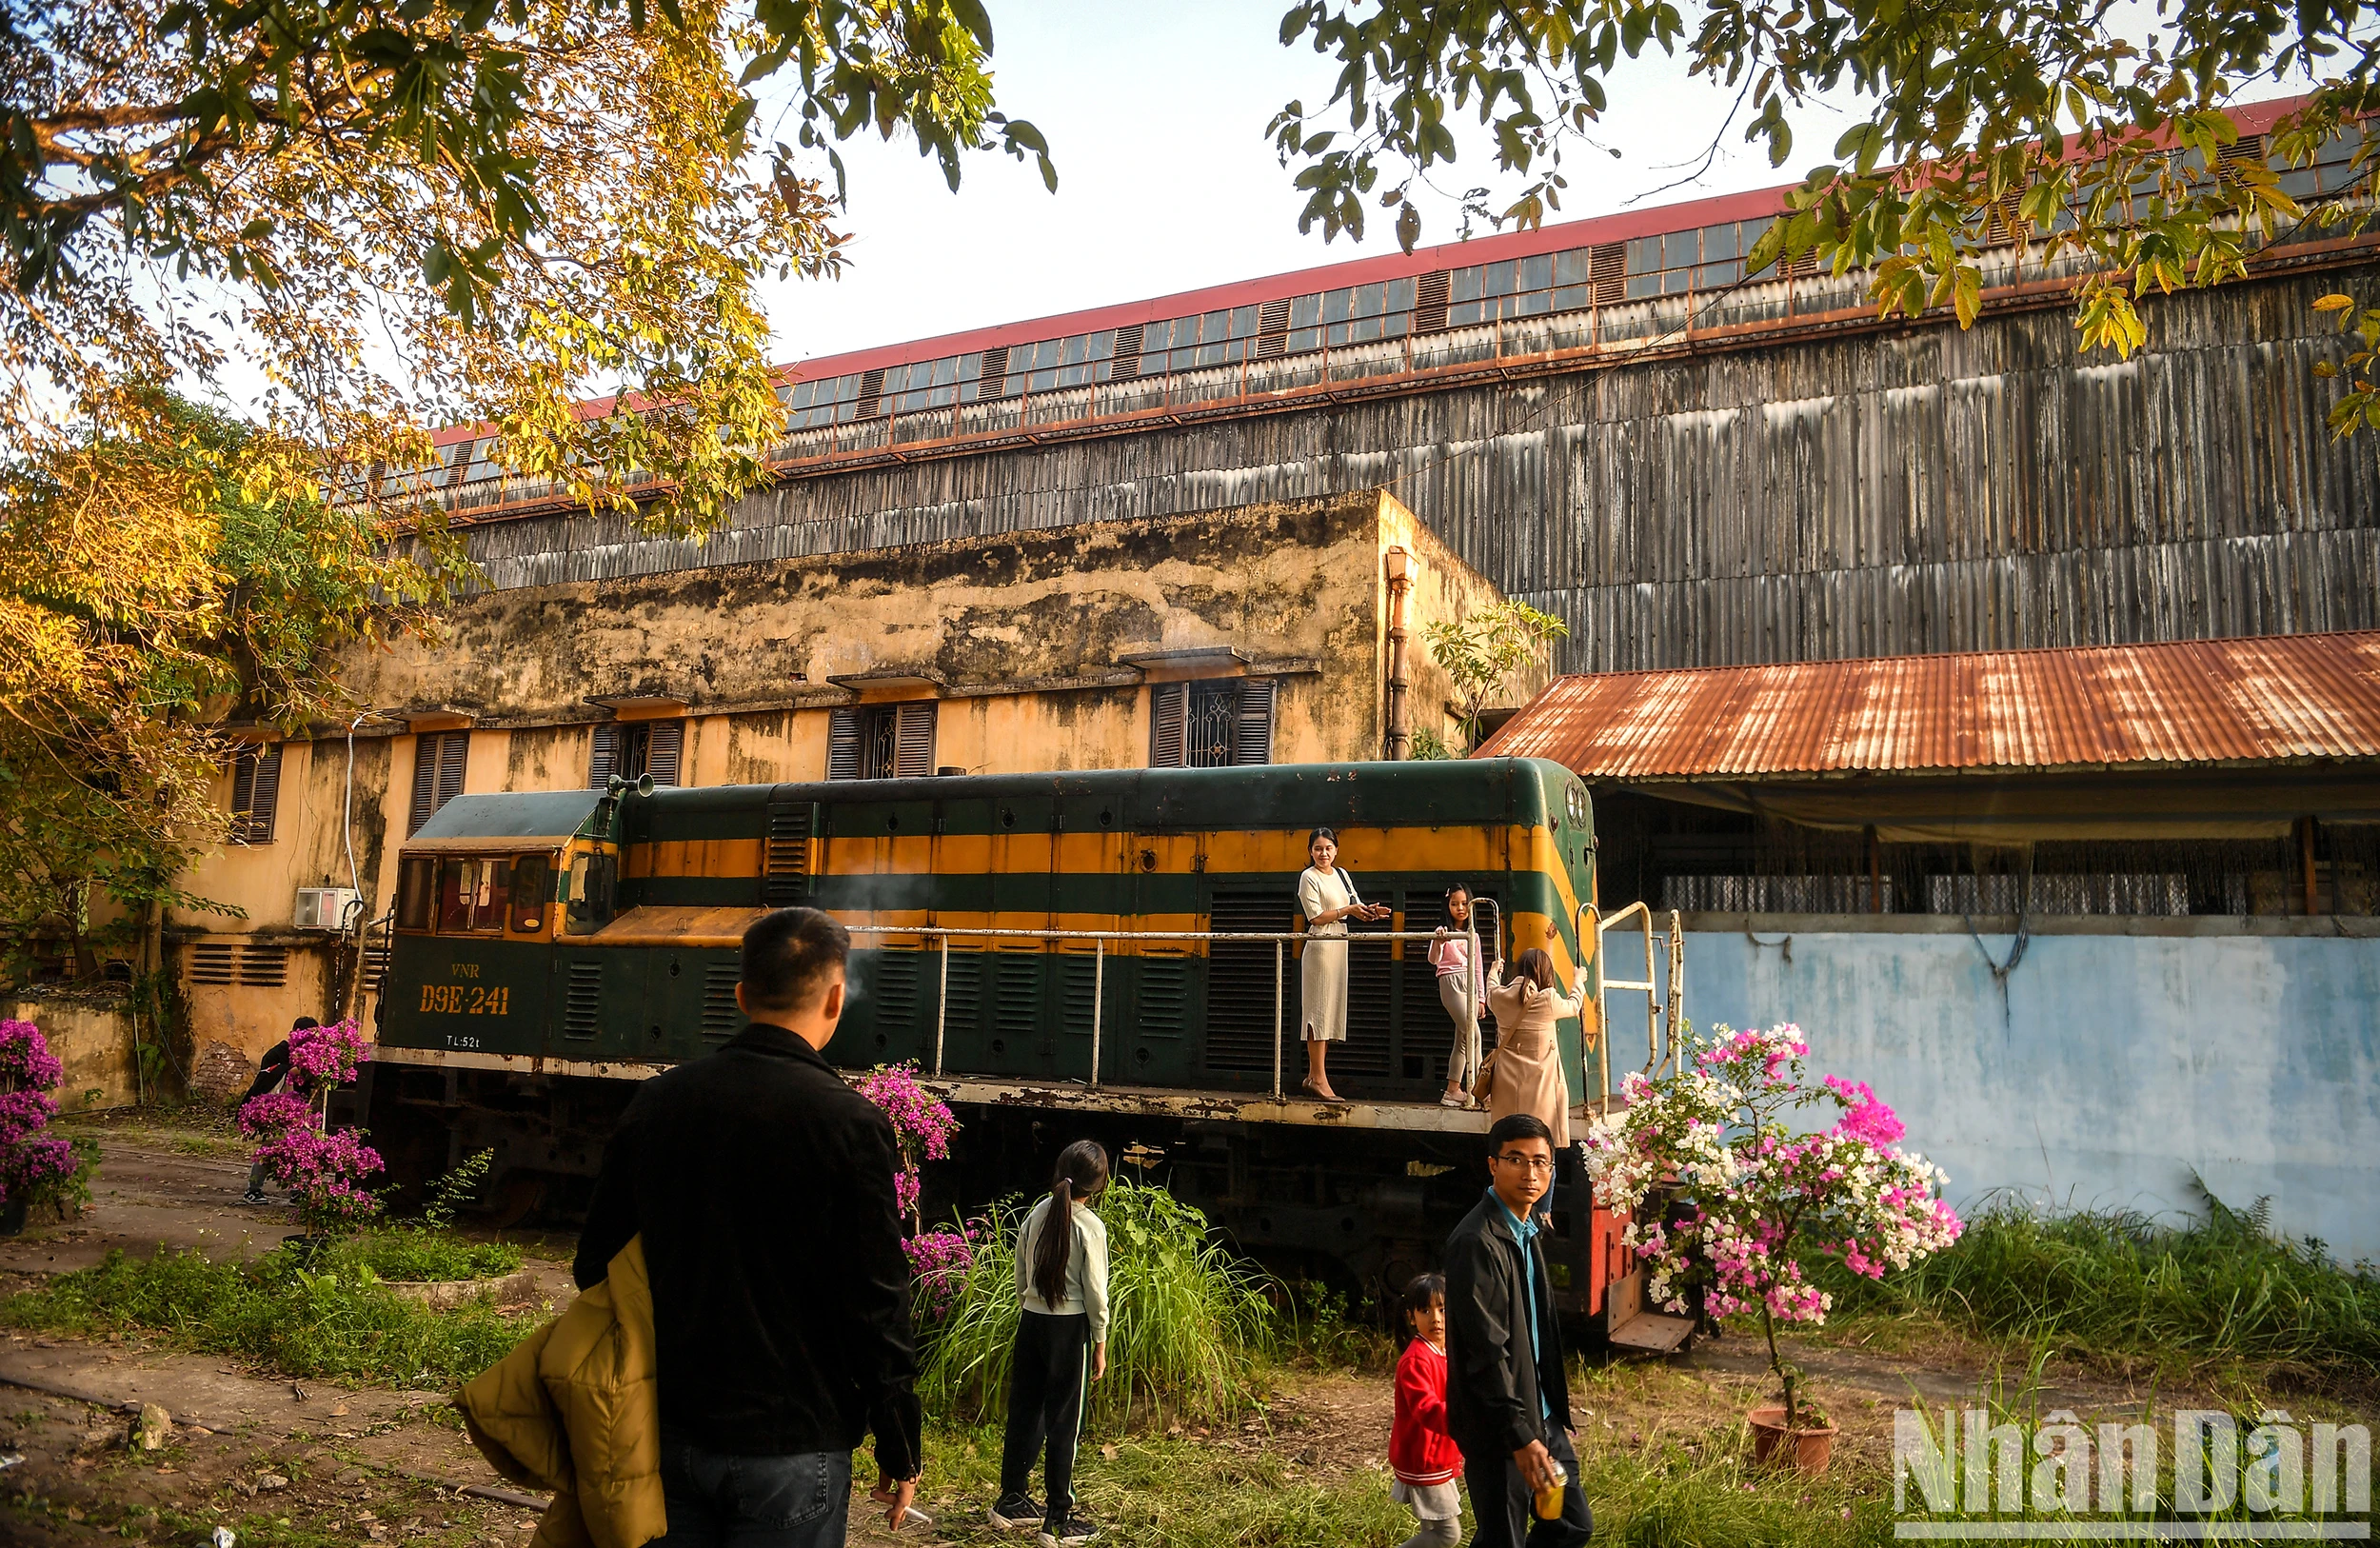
column 1483, row 652
column 2098, row 133
column 424, row 1248
column 330, row 1315
column 203, row 591
column 1429, row 746
column 408, row 1255
column 1188, row 1327
column 2114, row 1285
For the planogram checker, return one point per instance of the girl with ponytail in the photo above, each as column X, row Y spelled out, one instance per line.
column 1061, row 1346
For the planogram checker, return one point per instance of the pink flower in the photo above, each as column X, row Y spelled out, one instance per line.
column 322, row 1057
column 274, row 1113
column 28, row 1157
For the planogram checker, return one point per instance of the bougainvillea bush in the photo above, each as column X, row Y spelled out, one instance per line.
column 939, row 1261
column 34, row 1163
column 922, row 1124
column 1764, row 1198
column 324, row 1057
column 323, row 1173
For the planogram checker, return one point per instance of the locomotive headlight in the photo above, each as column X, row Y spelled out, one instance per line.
column 1578, row 806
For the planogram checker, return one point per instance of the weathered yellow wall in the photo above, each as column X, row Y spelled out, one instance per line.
column 1027, row 633
column 91, row 1034
column 1444, row 590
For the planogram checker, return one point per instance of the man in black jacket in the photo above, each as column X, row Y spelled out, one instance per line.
column 1507, row 1400
column 762, row 1185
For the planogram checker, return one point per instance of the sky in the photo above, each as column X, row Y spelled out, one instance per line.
column 1155, row 117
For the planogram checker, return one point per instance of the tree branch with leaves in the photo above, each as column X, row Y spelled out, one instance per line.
column 1485, row 651
column 2101, row 135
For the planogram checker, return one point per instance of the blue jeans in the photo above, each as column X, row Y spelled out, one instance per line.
column 716, row 1501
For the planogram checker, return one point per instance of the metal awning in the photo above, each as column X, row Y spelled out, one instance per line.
column 2203, row 738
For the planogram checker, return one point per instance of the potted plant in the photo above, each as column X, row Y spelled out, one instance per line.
column 1766, row 1198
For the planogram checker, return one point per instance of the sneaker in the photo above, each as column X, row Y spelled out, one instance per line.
column 252, row 1196
column 1451, row 1100
column 1067, row 1528
column 1016, row 1512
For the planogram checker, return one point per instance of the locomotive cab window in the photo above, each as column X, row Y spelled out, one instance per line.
column 532, row 893
column 587, row 893
column 417, row 888
column 474, row 896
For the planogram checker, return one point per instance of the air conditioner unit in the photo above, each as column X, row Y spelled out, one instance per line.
column 323, row 908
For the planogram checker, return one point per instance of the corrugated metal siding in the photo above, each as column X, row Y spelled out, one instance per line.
column 1922, row 489
column 2194, row 703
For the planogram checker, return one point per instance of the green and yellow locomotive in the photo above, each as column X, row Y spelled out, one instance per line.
column 1039, row 946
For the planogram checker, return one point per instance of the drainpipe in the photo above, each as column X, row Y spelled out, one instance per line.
column 1399, row 740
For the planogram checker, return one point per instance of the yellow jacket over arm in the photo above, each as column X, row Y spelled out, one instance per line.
column 573, row 1409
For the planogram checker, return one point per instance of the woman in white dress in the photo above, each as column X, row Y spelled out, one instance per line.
column 1326, row 895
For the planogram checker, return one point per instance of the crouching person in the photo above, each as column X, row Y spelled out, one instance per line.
column 762, row 1188
column 1507, row 1399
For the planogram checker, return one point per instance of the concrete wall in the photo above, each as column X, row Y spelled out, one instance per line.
column 2122, row 1063
column 92, row 1037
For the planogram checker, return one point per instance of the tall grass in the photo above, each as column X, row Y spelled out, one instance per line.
column 327, row 1318
column 1187, row 1325
column 2118, row 1286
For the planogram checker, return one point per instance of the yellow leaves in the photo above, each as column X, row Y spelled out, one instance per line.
column 2334, row 302
column 2107, row 321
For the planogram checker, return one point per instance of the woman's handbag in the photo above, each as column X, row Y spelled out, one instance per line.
column 1485, row 1084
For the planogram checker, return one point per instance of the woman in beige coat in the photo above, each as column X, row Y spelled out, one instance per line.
column 1528, row 1063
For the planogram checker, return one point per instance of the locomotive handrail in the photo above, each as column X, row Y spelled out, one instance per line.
column 1650, row 989
column 1280, row 940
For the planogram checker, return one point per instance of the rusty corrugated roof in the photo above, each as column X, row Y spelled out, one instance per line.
column 2281, row 698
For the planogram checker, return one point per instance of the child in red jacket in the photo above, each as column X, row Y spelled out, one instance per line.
column 1421, row 1452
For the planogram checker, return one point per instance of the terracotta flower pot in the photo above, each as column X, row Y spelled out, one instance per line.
column 1807, row 1448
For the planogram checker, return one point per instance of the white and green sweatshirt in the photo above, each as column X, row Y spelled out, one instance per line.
column 1086, row 1267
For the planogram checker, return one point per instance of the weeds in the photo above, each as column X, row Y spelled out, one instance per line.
column 1187, row 1325
column 2115, row 1286
column 331, row 1317
column 424, row 1247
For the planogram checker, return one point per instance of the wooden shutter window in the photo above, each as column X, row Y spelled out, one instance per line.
column 1169, row 720
column 1429, row 302
column 913, row 739
column 1252, row 740
column 1607, row 270
column 604, row 761
column 255, row 793
column 1272, row 334
column 663, row 752
column 843, row 743
column 438, row 762
column 1125, row 366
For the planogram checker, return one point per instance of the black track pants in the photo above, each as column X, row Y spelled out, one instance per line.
column 1048, row 1374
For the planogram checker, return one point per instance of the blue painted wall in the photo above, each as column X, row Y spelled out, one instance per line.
column 2121, row 1062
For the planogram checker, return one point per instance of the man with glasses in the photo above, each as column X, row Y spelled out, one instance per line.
column 1507, row 1401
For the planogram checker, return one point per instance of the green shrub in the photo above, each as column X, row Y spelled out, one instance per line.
column 423, row 1248
column 2115, row 1283
column 405, row 1255
column 1187, row 1325
column 331, row 1318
